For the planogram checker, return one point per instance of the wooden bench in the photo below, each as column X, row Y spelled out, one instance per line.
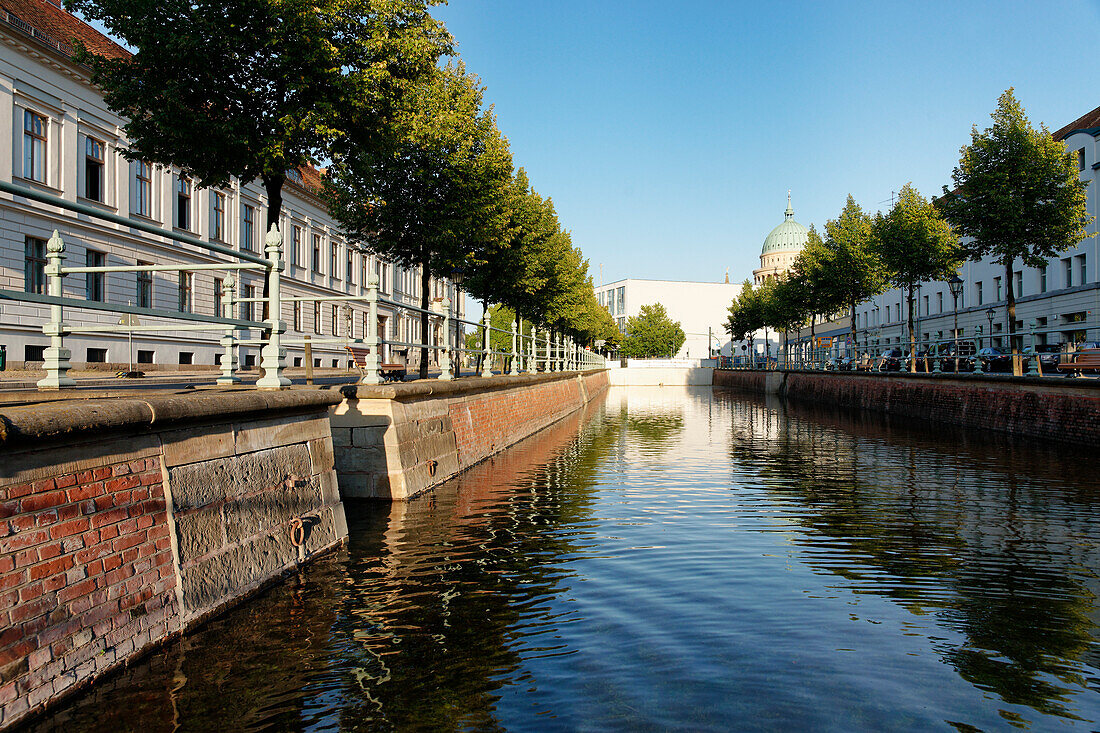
column 1084, row 359
column 390, row 371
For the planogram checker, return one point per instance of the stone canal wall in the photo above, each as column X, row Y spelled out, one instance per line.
column 120, row 527
column 1066, row 410
column 396, row 441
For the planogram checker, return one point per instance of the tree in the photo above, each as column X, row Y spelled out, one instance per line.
column 914, row 243
column 856, row 271
column 814, row 270
column 431, row 195
column 652, row 333
column 258, row 88
column 1017, row 195
column 745, row 316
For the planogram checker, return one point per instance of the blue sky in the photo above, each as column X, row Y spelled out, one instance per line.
column 667, row 134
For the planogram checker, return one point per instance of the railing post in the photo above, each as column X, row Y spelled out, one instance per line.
column 371, row 373
column 515, row 351
column 56, row 355
column 229, row 341
column 1033, row 364
column 547, row 350
column 273, row 355
column 486, row 371
column 532, row 362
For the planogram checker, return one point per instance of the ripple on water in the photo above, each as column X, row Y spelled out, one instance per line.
column 688, row 560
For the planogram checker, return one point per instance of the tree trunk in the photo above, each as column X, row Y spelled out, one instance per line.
column 813, row 334
column 854, row 349
column 425, row 283
column 912, row 335
column 1010, row 301
column 273, row 185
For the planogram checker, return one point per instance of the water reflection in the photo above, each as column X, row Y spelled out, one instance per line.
column 674, row 559
column 952, row 526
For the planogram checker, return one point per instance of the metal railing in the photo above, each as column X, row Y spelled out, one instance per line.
column 545, row 353
column 1044, row 352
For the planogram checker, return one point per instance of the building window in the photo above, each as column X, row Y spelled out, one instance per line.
column 349, row 272
column 144, row 203
column 185, row 292
column 34, row 265
column 926, row 311
column 1043, row 279
column 97, row 356
column 183, row 202
column 298, row 316
column 1082, row 273
column 1067, row 267
column 997, row 289
column 247, row 293
column 334, row 322
column 217, row 226
column 333, row 272
column 93, row 169
column 248, row 227
column 1081, row 159
column 34, row 146
column 317, row 318
column 296, row 250
column 939, row 302
column 219, row 291
column 93, row 281
column 316, row 253
column 978, row 292
column 1019, row 284
column 144, row 287
column 622, row 300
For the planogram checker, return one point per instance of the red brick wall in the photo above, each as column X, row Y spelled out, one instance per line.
column 489, row 422
column 86, row 578
column 1066, row 410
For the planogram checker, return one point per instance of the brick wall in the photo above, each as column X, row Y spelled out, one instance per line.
column 395, row 442
column 1064, row 410
column 86, row 578
column 115, row 535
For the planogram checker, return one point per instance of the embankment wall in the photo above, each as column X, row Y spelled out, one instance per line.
column 1066, row 410
column 124, row 522
column 396, row 441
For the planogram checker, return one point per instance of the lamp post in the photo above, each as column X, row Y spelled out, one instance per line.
column 955, row 285
column 989, row 314
column 458, row 275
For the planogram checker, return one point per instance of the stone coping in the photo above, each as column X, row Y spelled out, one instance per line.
column 424, row 388
column 1047, row 381
column 72, row 417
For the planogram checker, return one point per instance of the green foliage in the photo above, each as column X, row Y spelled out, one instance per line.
column 652, row 333
column 914, row 243
column 1017, row 195
column 814, row 269
column 857, row 273
column 253, row 89
column 431, row 192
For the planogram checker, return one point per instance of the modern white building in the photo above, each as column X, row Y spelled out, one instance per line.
column 57, row 136
column 701, row 308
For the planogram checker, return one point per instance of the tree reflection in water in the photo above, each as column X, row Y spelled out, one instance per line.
column 991, row 537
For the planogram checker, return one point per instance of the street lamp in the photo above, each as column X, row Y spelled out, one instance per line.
column 989, row 314
column 955, row 285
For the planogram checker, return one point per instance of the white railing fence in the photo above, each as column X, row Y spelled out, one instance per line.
column 539, row 351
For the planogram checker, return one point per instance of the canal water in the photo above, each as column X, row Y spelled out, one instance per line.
column 675, row 559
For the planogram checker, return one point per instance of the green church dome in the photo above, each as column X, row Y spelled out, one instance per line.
column 790, row 235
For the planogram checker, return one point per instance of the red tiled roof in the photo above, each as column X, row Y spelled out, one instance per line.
column 1084, row 122
column 56, row 27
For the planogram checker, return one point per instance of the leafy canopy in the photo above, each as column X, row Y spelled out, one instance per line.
column 652, row 333
column 1017, row 191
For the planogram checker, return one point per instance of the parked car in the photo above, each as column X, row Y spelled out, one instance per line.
column 890, row 360
column 960, row 353
column 995, row 359
column 841, row 363
column 924, row 360
column 1049, row 356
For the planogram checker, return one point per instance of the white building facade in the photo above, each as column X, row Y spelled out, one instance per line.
column 701, row 308
column 58, row 137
